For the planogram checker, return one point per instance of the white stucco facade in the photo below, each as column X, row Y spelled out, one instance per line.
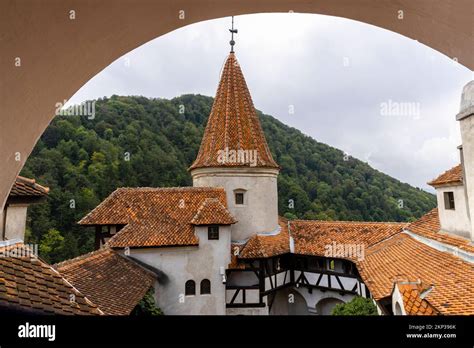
column 455, row 220
column 303, row 301
column 180, row 264
column 259, row 213
column 466, row 121
column 13, row 221
column 398, row 308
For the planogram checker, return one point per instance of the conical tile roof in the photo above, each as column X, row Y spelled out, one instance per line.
column 233, row 135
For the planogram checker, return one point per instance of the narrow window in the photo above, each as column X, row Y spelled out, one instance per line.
column 239, row 198
column 213, row 232
column 449, row 200
column 205, row 287
column 190, row 288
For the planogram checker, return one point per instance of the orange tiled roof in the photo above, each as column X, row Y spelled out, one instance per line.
column 413, row 300
column 213, row 212
column 401, row 257
column 113, row 282
column 451, row 176
column 428, row 226
column 233, row 124
column 154, row 216
column 262, row 246
column 29, row 283
column 312, row 237
column 27, row 187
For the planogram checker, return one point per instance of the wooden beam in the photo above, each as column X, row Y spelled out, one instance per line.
column 340, row 283
column 235, row 296
column 319, row 279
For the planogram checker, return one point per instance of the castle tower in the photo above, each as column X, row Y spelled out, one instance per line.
column 466, row 121
column 234, row 154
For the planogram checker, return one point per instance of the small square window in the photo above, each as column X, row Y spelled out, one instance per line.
column 239, row 198
column 449, row 200
column 213, row 232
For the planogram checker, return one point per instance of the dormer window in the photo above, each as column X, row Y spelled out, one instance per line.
column 239, row 197
column 449, row 200
column 213, row 232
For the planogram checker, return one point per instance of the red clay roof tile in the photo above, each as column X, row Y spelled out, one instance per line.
column 27, row 187
column 113, row 282
column 213, row 212
column 428, row 226
column 28, row 282
column 155, row 217
column 401, row 257
column 452, row 176
column 233, row 125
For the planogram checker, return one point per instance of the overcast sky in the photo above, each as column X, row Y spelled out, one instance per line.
column 337, row 80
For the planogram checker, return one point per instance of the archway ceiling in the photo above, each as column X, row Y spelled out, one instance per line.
column 59, row 55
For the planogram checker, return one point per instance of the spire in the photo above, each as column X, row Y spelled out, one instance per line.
column 232, row 32
column 233, row 136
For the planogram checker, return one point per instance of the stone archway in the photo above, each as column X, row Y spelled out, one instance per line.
column 51, row 48
column 326, row 305
column 289, row 302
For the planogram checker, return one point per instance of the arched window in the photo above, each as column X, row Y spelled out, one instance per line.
column 205, row 287
column 190, row 288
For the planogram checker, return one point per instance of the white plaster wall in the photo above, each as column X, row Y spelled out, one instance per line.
column 190, row 263
column 260, row 211
column 288, row 301
column 251, row 296
column 466, row 121
column 454, row 221
column 397, row 299
column 347, row 282
column 15, row 221
column 467, row 134
column 313, row 298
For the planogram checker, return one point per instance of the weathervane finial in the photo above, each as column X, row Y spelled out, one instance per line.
column 232, row 31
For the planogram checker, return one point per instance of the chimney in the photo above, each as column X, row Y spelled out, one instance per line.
column 466, row 122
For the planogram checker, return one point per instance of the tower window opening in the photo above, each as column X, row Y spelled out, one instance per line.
column 205, row 287
column 239, row 198
column 449, row 201
column 213, row 232
column 190, row 288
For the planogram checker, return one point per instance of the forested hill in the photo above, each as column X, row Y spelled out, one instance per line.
column 136, row 141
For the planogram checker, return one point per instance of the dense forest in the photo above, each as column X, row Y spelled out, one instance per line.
column 136, row 141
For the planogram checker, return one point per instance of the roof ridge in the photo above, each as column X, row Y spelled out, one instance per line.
column 32, row 182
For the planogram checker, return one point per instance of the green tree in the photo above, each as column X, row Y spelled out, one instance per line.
column 51, row 246
column 147, row 306
column 357, row 306
column 136, row 141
